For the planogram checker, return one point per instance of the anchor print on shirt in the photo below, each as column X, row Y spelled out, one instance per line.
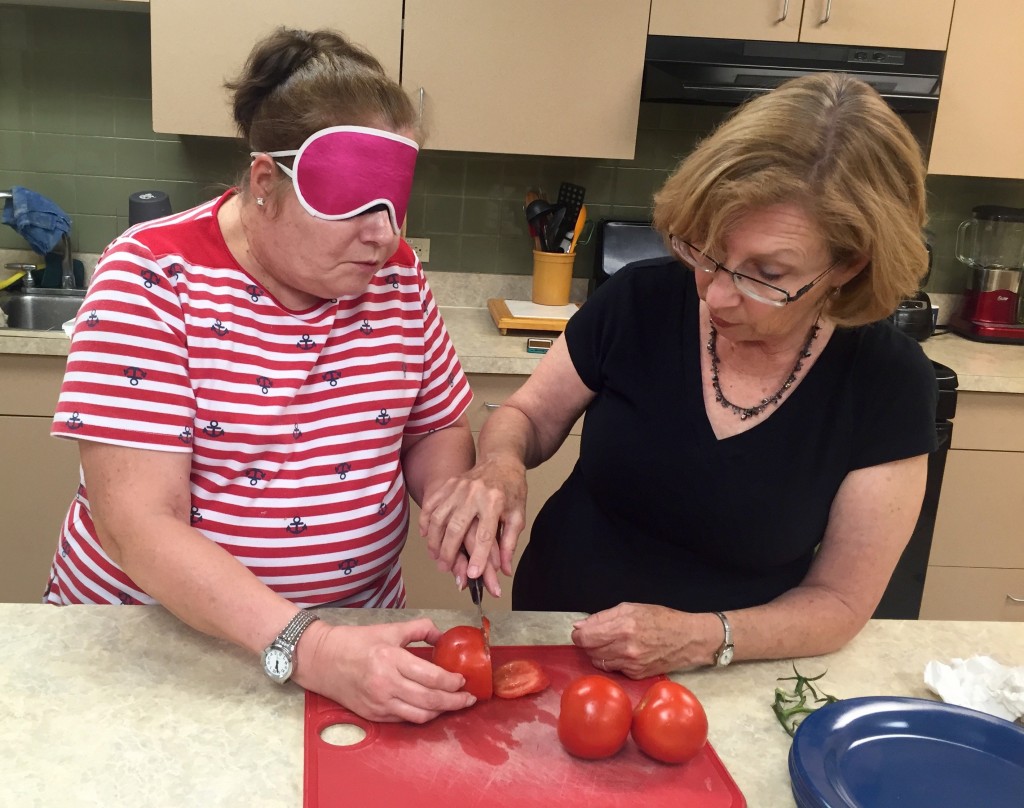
column 134, row 375
column 296, row 526
column 150, row 278
column 331, row 377
column 219, row 328
column 254, row 292
column 366, row 328
column 126, row 599
column 213, row 430
column 347, row 565
column 383, row 418
column 393, row 280
column 256, row 476
column 176, row 270
column 305, row 343
column 264, row 384
column 93, row 319
column 195, row 517
column 342, row 470
column 296, row 432
column 185, row 436
column 74, row 422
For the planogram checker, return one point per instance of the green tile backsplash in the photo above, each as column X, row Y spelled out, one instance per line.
column 75, row 125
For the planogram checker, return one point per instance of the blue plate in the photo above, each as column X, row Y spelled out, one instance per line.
column 911, row 753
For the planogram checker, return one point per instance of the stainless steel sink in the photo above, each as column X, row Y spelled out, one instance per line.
column 41, row 311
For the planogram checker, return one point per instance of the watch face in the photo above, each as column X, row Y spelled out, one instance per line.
column 277, row 665
column 725, row 657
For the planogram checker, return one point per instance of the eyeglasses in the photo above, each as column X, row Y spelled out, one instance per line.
column 751, row 287
column 344, row 171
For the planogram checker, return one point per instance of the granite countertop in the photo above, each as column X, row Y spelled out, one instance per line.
column 111, row 706
column 980, row 367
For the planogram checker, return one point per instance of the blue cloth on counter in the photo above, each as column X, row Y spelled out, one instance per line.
column 38, row 220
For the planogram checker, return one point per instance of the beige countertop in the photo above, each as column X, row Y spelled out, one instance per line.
column 110, row 705
column 979, row 366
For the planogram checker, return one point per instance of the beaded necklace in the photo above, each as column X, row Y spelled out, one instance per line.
column 752, row 412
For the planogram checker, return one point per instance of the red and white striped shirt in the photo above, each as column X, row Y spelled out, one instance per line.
column 294, row 420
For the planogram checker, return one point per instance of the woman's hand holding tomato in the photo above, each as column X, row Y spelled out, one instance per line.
column 669, row 723
column 464, row 649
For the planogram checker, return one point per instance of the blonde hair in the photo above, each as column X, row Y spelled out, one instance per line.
column 829, row 143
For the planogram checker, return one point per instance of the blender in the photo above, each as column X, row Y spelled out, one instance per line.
column 991, row 243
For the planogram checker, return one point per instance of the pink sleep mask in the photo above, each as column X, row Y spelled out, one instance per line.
column 342, row 171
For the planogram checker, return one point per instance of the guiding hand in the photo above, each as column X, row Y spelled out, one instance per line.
column 642, row 640
column 469, row 510
column 368, row 670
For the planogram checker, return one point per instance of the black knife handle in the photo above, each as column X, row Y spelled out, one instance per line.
column 476, row 585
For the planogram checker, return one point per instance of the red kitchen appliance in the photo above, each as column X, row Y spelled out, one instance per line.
column 991, row 243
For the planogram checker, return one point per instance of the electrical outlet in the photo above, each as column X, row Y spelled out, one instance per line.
column 420, row 246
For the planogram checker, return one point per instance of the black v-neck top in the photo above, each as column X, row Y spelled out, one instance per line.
column 657, row 509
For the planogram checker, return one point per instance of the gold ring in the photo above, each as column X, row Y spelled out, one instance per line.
column 602, row 665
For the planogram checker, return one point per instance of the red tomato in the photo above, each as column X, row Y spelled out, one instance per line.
column 520, row 677
column 669, row 723
column 464, row 650
column 594, row 718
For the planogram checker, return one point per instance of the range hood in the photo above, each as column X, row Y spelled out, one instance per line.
column 729, row 71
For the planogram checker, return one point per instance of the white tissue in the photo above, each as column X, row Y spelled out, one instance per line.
column 979, row 683
column 69, row 327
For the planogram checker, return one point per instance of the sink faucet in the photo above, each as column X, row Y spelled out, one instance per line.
column 67, row 280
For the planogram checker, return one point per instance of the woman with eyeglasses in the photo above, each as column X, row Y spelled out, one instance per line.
column 258, row 384
column 753, row 457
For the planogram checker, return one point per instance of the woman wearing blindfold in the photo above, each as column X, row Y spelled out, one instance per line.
column 258, row 383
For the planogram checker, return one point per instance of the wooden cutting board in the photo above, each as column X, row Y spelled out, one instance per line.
column 499, row 753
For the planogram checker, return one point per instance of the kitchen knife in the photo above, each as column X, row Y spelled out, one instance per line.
column 476, row 591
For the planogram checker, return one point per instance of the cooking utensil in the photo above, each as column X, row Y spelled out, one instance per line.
column 499, row 752
column 572, row 197
column 476, row 591
column 537, row 214
column 581, row 222
column 531, row 197
column 554, row 230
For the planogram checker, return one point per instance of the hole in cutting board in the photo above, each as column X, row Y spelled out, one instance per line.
column 342, row 734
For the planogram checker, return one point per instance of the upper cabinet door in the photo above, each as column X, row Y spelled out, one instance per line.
column 198, row 45
column 882, row 23
column 773, row 20
column 553, row 77
column 979, row 128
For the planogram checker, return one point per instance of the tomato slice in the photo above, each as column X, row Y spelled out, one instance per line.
column 520, row 677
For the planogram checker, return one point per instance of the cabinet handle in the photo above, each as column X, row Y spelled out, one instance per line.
column 488, row 405
column 828, row 12
column 1015, row 600
column 785, row 11
column 422, row 93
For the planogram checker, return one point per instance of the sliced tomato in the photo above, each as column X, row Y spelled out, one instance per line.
column 464, row 649
column 520, row 677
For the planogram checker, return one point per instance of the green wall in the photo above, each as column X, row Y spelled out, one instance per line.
column 75, row 125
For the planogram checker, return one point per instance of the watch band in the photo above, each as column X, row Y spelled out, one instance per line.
column 298, row 624
column 723, row 656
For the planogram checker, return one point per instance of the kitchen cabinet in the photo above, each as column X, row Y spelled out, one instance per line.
column 981, row 107
column 976, row 565
column 531, row 77
column 192, row 60
column 881, row 23
column 425, row 586
column 38, row 475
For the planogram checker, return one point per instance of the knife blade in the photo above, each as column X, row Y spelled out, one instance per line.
column 476, row 590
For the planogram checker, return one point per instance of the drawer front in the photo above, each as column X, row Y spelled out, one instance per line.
column 492, row 389
column 989, row 421
column 30, row 384
column 980, row 521
column 961, row 593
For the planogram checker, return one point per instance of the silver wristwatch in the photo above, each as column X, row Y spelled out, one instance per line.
column 279, row 656
column 723, row 656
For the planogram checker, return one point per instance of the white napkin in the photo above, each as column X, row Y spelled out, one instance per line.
column 69, row 327
column 979, row 683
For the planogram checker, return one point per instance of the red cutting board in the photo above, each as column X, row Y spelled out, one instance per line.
column 499, row 752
